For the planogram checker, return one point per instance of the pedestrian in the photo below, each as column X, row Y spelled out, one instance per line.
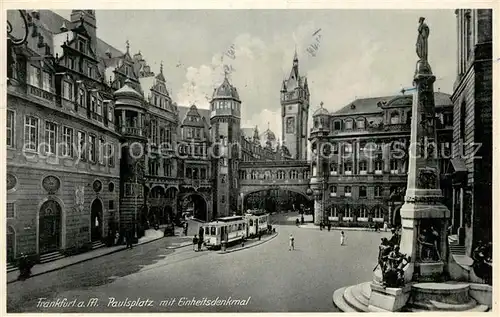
column 200, row 242
column 329, row 226
column 195, row 242
column 185, row 228
column 128, row 238
column 292, row 243
column 385, row 226
column 342, row 238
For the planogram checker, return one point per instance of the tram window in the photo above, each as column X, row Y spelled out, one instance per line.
column 243, row 226
column 240, row 227
column 251, row 222
column 207, row 231
column 212, row 231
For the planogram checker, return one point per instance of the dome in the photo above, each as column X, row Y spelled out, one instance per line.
column 226, row 90
column 127, row 92
column 321, row 112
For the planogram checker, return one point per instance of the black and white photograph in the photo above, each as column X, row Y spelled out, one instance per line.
column 249, row 159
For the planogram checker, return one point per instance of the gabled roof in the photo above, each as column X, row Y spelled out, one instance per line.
column 184, row 111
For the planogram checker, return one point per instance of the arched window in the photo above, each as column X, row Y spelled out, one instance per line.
column 363, row 212
column 334, row 168
column 347, row 191
column 281, row 174
column 360, row 123
column 267, row 175
column 334, row 211
column 333, row 191
column 348, row 124
column 314, row 169
column 377, row 191
column 348, row 212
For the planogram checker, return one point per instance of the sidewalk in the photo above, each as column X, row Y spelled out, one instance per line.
column 151, row 235
column 314, row 227
column 249, row 243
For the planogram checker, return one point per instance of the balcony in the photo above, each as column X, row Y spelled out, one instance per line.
column 131, row 131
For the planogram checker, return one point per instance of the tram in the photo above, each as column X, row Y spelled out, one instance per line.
column 234, row 228
column 230, row 229
column 257, row 222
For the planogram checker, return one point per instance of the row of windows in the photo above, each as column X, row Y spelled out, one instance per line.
column 83, row 97
column 377, row 191
column 192, row 133
column 154, row 167
column 233, row 105
column 396, row 167
column 293, row 174
column 60, row 142
column 363, row 212
column 165, row 133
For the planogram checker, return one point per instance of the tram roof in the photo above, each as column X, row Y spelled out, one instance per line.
column 257, row 212
column 230, row 218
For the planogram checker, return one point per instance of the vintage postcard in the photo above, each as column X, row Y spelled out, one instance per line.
column 251, row 159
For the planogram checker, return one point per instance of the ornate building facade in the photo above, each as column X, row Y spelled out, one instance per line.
column 472, row 129
column 96, row 145
column 359, row 158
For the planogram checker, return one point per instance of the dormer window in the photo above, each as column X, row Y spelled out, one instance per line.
column 337, row 126
column 348, row 124
column 360, row 123
column 82, row 45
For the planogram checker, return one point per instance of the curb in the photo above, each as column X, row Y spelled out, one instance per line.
column 249, row 246
column 85, row 260
column 344, row 229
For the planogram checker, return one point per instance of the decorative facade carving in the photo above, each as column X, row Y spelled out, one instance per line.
column 11, row 181
column 51, row 184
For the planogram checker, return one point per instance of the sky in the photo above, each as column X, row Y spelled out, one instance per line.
column 360, row 53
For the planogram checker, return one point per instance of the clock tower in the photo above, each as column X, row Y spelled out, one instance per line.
column 295, row 112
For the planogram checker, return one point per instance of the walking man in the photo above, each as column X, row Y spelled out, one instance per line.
column 292, row 244
column 195, row 242
column 342, row 238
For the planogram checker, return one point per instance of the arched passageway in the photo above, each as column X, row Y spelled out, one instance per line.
column 194, row 205
column 277, row 200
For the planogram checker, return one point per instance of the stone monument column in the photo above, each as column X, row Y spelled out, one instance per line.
column 423, row 215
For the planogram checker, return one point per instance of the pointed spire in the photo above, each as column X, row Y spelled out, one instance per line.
column 295, row 57
column 128, row 45
column 161, row 67
column 268, row 125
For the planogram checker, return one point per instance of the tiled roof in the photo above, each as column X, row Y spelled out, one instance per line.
column 53, row 22
column 369, row 105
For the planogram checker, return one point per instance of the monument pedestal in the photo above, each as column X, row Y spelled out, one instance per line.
column 388, row 299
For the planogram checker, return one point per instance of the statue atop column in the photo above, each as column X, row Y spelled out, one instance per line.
column 423, row 35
